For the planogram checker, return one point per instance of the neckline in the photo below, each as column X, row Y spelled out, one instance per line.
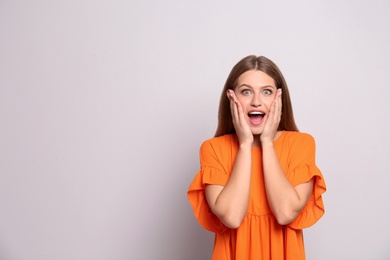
column 275, row 141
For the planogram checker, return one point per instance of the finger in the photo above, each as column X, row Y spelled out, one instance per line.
column 280, row 103
column 240, row 112
column 233, row 106
column 236, row 104
column 273, row 109
column 276, row 110
column 279, row 94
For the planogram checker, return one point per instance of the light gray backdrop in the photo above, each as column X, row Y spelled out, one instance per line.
column 104, row 104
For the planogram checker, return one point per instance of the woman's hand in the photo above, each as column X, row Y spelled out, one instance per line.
column 241, row 126
column 272, row 120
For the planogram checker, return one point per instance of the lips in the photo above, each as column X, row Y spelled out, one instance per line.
column 256, row 117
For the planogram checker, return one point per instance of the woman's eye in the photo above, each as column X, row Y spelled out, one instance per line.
column 267, row 92
column 246, row 92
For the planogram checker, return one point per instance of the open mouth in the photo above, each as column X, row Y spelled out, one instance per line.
column 255, row 117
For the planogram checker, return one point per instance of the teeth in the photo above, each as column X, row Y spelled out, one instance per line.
column 256, row 113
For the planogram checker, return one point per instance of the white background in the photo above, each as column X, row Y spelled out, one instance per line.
column 104, row 105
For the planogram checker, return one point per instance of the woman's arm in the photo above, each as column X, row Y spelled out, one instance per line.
column 230, row 203
column 285, row 201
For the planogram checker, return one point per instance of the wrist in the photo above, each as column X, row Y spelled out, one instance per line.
column 245, row 145
column 266, row 143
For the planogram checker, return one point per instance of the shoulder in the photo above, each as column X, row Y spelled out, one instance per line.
column 296, row 141
column 292, row 136
column 221, row 141
column 220, row 146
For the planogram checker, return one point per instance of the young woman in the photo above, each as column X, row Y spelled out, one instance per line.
column 258, row 185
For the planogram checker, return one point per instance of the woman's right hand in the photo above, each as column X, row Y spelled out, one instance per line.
column 241, row 126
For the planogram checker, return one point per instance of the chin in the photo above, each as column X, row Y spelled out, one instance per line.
column 257, row 131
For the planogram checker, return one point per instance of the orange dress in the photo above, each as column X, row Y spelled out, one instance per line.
column 259, row 236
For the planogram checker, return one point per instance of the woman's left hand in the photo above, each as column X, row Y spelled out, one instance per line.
column 272, row 120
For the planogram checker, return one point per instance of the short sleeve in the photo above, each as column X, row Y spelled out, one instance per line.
column 211, row 172
column 304, row 169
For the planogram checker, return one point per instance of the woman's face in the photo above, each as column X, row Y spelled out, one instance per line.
column 255, row 92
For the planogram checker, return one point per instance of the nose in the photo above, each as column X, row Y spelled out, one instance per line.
column 256, row 100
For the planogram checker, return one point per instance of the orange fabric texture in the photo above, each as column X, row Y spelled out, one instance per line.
column 259, row 236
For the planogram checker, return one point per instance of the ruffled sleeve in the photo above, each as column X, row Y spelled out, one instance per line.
column 303, row 170
column 211, row 172
column 314, row 208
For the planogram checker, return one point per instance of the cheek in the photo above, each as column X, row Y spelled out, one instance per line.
column 243, row 103
column 268, row 103
column 241, row 100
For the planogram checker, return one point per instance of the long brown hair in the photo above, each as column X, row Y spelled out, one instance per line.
column 252, row 62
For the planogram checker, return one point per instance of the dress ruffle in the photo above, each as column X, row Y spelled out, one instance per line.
column 314, row 208
column 197, row 198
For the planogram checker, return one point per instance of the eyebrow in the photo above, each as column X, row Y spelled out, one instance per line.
column 249, row 86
